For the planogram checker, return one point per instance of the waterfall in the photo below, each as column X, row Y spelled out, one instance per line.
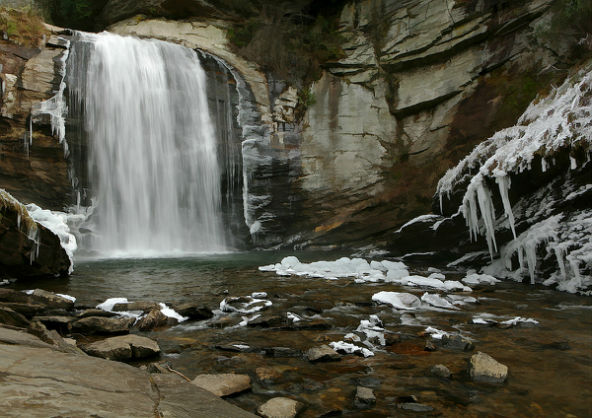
column 152, row 153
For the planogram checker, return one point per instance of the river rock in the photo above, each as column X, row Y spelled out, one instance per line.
column 95, row 312
column 135, row 306
column 10, row 317
column 364, row 397
column 415, row 407
column 124, row 347
column 457, row 342
column 51, row 300
column 102, row 325
column 484, row 368
column 280, row 407
column 153, row 320
column 223, row 384
column 57, row 322
column 53, row 338
column 440, row 370
column 322, row 353
column 193, row 311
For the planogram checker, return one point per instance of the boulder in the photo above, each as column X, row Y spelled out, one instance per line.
column 153, row 320
column 102, row 325
column 57, row 322
column 223, row 384
column 280, row 407
column 322, row 353
column 53, row 338
column 484, row 368
column 124, row 347
column 10, row 317
column 193, row 311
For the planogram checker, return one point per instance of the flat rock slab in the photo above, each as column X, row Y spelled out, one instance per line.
column 51, row 300
column 322, row 353
column 223, row 384
column 280, row 408
column 124, row 347
column 484, row 368
column 10, row 317
column 102, row 325
column 42, row 382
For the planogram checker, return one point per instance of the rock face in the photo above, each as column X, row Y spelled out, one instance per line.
column 223, row 384
column 484, row 368
column 33, row 170
column 86, row 386
column 28, row 249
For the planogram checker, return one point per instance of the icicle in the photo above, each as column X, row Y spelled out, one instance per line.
column 488, row 214
column 543, row 165
column 504, row 183
column 573, row 163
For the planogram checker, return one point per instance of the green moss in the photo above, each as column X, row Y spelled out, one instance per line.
column 23, row 27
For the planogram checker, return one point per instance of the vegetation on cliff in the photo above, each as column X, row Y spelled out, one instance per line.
column 23, row 27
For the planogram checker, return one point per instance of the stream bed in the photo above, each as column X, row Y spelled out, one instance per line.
column 548, row 351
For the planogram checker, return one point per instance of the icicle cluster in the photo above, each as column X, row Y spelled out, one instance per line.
column 562, row 120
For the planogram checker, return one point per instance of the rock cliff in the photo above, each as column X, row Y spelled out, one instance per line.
column 420, row 83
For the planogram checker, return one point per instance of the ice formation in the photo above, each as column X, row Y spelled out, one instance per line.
column 350, row 348
column 562, row 121
column 56, row 222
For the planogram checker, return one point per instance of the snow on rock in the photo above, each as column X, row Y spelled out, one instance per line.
column 436, row 333
column 72, row 298
column 244, row 304
column 475, row 278
column 404, row 301
column 433, row 281
column 358, row 268
column 56, row 222
column 171, row 313
column 437, row 301
column 373, row 330
column 349, row 348
column 520, row 320
column 110, row 303
column 559, row 122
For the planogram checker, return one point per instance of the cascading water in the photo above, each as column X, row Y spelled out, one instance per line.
column 153, row 165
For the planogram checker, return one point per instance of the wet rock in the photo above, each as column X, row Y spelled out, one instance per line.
column 391, row 339
column 415, row 407
column 223, row 384
column 407, row 399
column 236, row 347
column 53, row 338
column 440, row 370
column 96, row 312
column 364, row 397
column 28, row 310
column 322, row 353
column 56, row 322
column 267, row 322
column 281, row 352
column 280, row 407
column 484, row 368
column 153, row 320
column 135, row 306
column 267, row 373
column 430, row 346
column 10, row 317
column 51, row 300
column 557, row 345
column 124, row 347
column 193, row 311
column 102, row 325
column 316, row 324
column 456, row 342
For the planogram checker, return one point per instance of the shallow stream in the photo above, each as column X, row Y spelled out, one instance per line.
column 550, row 363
